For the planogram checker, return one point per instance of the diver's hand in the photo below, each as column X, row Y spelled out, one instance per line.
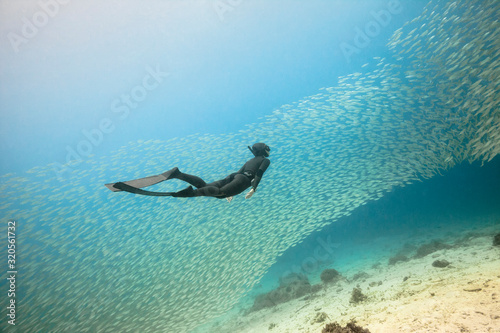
column 249, row 194
column 229, row 199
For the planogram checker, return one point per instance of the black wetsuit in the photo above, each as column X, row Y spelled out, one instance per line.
column 249, row 175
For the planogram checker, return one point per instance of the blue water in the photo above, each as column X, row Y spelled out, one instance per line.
column 93, row 93
column 224, row 71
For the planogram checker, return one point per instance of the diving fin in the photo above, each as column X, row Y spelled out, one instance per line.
column 146, row 181
column 127, row 188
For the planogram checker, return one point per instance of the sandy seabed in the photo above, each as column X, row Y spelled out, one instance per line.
column 411, row 296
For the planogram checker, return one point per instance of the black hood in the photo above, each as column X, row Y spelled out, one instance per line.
column 260, row 149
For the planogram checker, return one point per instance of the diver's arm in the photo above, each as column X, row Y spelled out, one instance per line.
column 258, row 176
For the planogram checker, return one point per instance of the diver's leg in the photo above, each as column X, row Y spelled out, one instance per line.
column 185, row 193
column 209, row 190
column 175, row 173
column 193, row 180
column 236, row 186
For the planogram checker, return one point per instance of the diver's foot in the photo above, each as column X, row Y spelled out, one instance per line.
column 172, row 173
column 185, row 193
column 229, row 199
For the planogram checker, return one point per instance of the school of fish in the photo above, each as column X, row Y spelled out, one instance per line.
column 90, row 260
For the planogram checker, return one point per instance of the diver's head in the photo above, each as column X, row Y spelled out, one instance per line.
column 260, row 149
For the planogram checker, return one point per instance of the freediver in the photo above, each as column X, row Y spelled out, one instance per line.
column 248, row 176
